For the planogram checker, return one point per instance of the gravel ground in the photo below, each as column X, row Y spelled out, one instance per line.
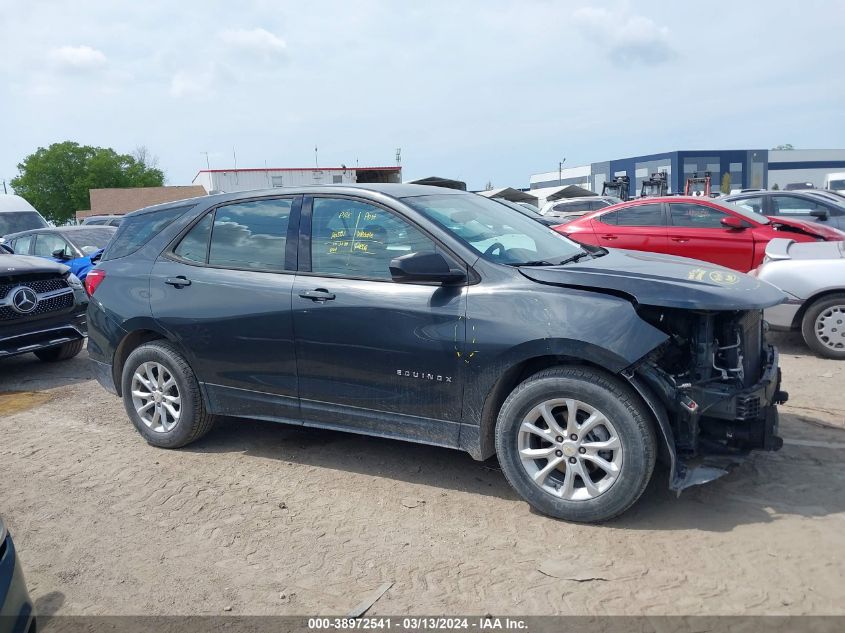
column 260, row 518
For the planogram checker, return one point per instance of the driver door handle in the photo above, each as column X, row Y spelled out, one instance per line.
column 178, row 282
column 318, row 294
column 609, row 237
column 680, row 239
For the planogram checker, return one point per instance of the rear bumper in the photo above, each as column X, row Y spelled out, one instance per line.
column 34, row 335
column 16, row 610
column 104, row 376
column 782, row 317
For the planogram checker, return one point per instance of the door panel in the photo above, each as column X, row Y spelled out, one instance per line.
column 372, row 354
column 233, row 317
column 639, row 227
column 695, row 231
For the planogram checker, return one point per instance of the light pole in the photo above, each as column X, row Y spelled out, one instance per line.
column 560, row 172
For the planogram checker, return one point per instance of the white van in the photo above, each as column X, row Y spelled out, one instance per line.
column 16, row 214
column 835, row 182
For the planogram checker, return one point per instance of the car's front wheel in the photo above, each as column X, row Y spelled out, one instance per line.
column 576, row 443
column 162, row 397
column 823, row 326
column 65, row 351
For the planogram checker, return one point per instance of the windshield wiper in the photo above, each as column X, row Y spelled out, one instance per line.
column 538, row 262
column 574, row 258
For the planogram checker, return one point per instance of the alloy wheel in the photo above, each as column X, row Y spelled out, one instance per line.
column 155, row 396
column 570, row 449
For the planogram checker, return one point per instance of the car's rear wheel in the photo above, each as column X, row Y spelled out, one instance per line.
column 823, row 326
column 64, row 351
column 162, row 397
column 576, row 443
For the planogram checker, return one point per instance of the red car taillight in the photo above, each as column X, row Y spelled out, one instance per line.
column 93, row 280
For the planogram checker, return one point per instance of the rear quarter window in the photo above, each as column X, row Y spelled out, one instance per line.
column 137, row 230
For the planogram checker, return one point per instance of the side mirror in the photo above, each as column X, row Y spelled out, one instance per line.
column 424, row 267
column 59, row 253
column 730, row 222
column 821, row 214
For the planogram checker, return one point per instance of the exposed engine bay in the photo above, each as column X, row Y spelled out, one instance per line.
column 717, row 379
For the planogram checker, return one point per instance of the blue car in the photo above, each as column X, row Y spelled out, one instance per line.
column 16, row 610
column 74, row 246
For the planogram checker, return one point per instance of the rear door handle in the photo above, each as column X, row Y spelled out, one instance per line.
column 178, row 282
column 318, row 294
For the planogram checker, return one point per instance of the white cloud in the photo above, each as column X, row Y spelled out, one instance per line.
column 193, row 84
column 77, row 58
column 630, row 39
column 258, row 40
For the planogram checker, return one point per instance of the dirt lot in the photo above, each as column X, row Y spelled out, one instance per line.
column 266, row 519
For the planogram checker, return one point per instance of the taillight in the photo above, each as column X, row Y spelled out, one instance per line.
column 93, row 280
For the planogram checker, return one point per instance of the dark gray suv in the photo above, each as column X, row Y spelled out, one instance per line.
column 442, row 317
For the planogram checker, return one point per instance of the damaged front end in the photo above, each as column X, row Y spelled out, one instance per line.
column 714, row 386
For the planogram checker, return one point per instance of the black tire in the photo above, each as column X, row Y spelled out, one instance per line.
column 64, row 351
column 194, row 421
column 620, row 405
column 808, row 327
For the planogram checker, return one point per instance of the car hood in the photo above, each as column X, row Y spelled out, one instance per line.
column 22, row 264
column 662, row 280
column 810, row 228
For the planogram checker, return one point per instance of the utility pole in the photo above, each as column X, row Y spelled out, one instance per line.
column 560, row 172
column 207, row 163
column 316, row 162
column 4, row 186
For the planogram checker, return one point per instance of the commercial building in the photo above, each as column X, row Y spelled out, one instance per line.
column 748, row 168
column 119, row 201
column 230, row 180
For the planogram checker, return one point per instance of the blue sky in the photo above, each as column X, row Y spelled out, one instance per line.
column 482, row 91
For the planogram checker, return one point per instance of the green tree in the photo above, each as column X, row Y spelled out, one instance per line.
column 56, row 179
column 775, row 187
column 726, row 183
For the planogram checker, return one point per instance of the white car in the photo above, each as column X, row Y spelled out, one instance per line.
column 812, row 274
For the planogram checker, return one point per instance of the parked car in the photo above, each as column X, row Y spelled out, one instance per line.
column 792, row 186
column 710, row 230
column 42, row 309
column 803, row 205
column 102, row 220
column 16, row 214
column 813, row 278
column 568, row 209
column 835, row 181
column 441, row 317
column 76, row 246
column 16, row 608
column 529, row 212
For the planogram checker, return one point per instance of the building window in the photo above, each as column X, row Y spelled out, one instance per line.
column 337, row 179
column 277, row 181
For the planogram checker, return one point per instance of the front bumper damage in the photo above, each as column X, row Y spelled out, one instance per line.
column 711, row 425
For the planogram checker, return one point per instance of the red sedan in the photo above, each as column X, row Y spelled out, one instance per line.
column 698, row 228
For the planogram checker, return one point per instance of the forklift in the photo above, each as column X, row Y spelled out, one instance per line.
column 620, row 187
column 698, row 186
column 657, row 185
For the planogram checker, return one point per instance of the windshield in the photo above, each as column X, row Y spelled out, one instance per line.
column 839, row 185
column 736, row 207
column 494, row 231
column 91, row 240
column 14, row 221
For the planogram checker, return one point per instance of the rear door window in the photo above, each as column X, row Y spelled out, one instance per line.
column 639, row 215
column 23, row 244
column 251, row 235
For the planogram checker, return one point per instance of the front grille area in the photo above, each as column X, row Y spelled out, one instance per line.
column 748, row 408
column 38, row 285
column 54, row 304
